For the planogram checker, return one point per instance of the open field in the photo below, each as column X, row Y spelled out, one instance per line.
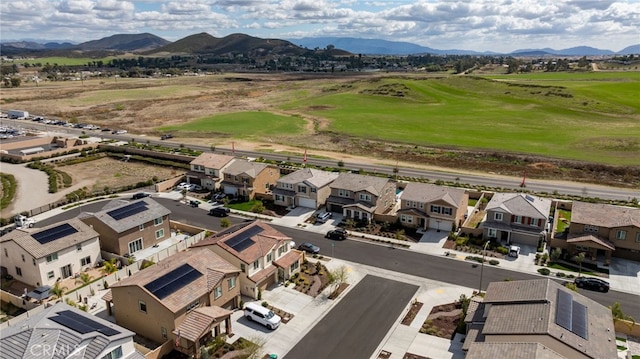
column 592, row 117
column 64, row 61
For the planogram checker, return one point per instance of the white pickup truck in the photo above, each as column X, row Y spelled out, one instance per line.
column 22, row 221
column 514, row 251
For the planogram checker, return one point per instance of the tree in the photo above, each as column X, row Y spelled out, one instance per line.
column 578, row 259
column 84, row 278
column 109, row 267
column 16, row 82
column 618, row 315
column 57, row 290
column 225, row 223
column 556, row 253
column 338, row 277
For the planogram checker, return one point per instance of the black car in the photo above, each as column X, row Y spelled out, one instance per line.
column 592, row 284
column 219, row 212
column 309, row 248
column 194, row 203
column 338, row 234
column 140, row 195
column 166, row 136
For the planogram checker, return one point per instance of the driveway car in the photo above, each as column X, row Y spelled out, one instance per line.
column 322, row 217
column 194, row 203
column 514, row 251
column 592, row 284
column 309, row 248
column 219, row 212
column 338, row 234
column 182, row 185
column 140, row 195
column 262, row 315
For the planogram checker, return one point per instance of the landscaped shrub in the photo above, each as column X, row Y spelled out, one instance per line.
column 494, row 262
column 502, row 250
column 561, row 274
column 544, row 271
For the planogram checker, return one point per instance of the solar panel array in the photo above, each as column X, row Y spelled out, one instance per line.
column 571, row 315
column 242, row 240
column 82, row 324
column 169, row 283
column 54, row 233
column 529, row 198
column 128, row 210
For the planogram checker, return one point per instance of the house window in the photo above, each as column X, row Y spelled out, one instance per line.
column 6, row 253
column 256, row 265
column 498, row 216
column 157, row 221
column 269, row 257
column 193, row 305
column 231, row 282
column 435, row 209
column 406, row 219
column 243, row 268
column 621, row 235
column 19, row 271
column 142, row 306
column 582, row 248
column 638, row 237
column 279, row 198
column 52, row 257
column 447, row 211
column 164, row 332
column 302, row 189
column 135, row 246
column 312, row 190
column 115, row 354
column 159, row 233
column 517, row 219
column 33, row 260
column 78, row 247
column 294, row 266
column 141, row 227
column 22, row 255
column 85, row 261
column 50, row 275
column 282, row 249
column 590, row 228
column 344, row 193
column 365, row 197
column 217, row 292
column 492, row 233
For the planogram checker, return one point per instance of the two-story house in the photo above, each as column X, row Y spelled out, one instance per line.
column 361, row 197
column 602, row 231
column 43, row 256
column 264, row 255
column 207, row 170
column 248, row 180
column 517, row 218
column 184, row 298
column 426, row 206
column 307, row 187
column 127, row 227
column 62, row 331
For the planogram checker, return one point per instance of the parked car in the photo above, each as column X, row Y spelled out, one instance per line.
column 309, row 248
column 338, row 234
column 514, row 251
column 219, row 197
column 119, row 132
column 194, row 203
column 140, row 195
column 219, row 212
column 323, row 217
column 592, row 284
column 262, row 315
column 182, row 185
column 166, row 136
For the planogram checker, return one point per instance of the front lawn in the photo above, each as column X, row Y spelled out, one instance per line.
column 244, row 206
column 564, row 219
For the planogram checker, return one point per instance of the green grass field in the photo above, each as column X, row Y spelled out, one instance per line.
column 65, row 61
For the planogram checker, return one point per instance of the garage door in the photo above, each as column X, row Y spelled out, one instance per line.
column 230, row 190
column 307, row 202
column 335, row 208
column 440, row 224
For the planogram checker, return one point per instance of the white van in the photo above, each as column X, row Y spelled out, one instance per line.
column 259, row 314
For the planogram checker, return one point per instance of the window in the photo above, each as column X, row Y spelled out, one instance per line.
column 19, row 271
column 582, row 248
column 52, row 257
column 217, row 292
column 193, row 305
column 517, row 219
column 142, row 306
column 282, row 249
column 435, row 209
column 22, row 255
column 621, row 235
column 492, row 233
column 638, row 237
column 344, row 193
column 313, row 190
column 365, row 197
column 590, row 228
column 256, row 265
column 302, row 189
column 6, row 254
column 33, row 260
column 135, row 246
column 279, row 198
column 50, row 275
column 157, row 221
column 231, row 282
column 141, row 227
column 164, row 332
column 269, row 257
column 294, row 266
column 78, row 247
column 115, row 354
column 159, row 233
column 243, row 268
column 447, row 211
column 406, row 219
column 85, row 261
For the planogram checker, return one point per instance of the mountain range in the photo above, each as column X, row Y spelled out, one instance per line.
column 203, row 43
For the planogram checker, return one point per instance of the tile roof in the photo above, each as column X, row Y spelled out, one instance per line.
column 24, row 238
column 310, row 176
column 154, row 210
column 199, row 320
column 581, row 238
column 429, row 193
column 263, row 242
column 201, row 259
column 616, row 216
column 39, row 330
column 356, row 182
column 288, row 259
column 212, row 160
column 520, row 204
column 511, row 350
column 239, row 167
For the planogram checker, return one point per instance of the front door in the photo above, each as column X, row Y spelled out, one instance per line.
column 65, row 272
column 504, row 236
column 422, row 223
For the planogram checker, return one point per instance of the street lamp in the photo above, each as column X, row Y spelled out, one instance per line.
column 484, row 251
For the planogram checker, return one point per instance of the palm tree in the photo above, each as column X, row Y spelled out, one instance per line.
column 109, row 267
column 57, row 290
column 556, row 253
column 618, row 315
column 85, row 278
column 579, row 258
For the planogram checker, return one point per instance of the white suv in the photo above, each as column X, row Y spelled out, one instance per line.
column 262, row 315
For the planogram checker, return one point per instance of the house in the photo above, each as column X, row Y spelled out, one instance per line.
column 538, row 318
column 127, row 227
column 307, row 187
column 184, row 298
column 517, row 218
column 602, row 231
column 361, row 197
column 207, row 170
column 249, row 180
column 264, row 255
column 62, row 331
column 42, row 256
column 427, row 206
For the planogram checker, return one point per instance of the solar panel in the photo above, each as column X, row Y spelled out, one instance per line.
column 82, row 324
column 54, row 233
column 242, row 240
column 579, row 320
column 172, row 281
column 564, row 309
column 529, row 198
column 128, row 210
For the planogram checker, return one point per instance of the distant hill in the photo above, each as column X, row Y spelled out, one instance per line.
column 629, row 50
column 124, row 42
column 572, row 51
column 376, row 46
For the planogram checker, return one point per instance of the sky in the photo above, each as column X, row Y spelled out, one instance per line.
column 479, row 25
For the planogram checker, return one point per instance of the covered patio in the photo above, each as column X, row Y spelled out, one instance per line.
column 199, row 327
column 593, row 246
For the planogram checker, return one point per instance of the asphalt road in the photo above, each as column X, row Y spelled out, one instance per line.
column 381, row 256
column 357, row 324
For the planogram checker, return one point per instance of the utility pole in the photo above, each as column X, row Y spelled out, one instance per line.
column 484, row 252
